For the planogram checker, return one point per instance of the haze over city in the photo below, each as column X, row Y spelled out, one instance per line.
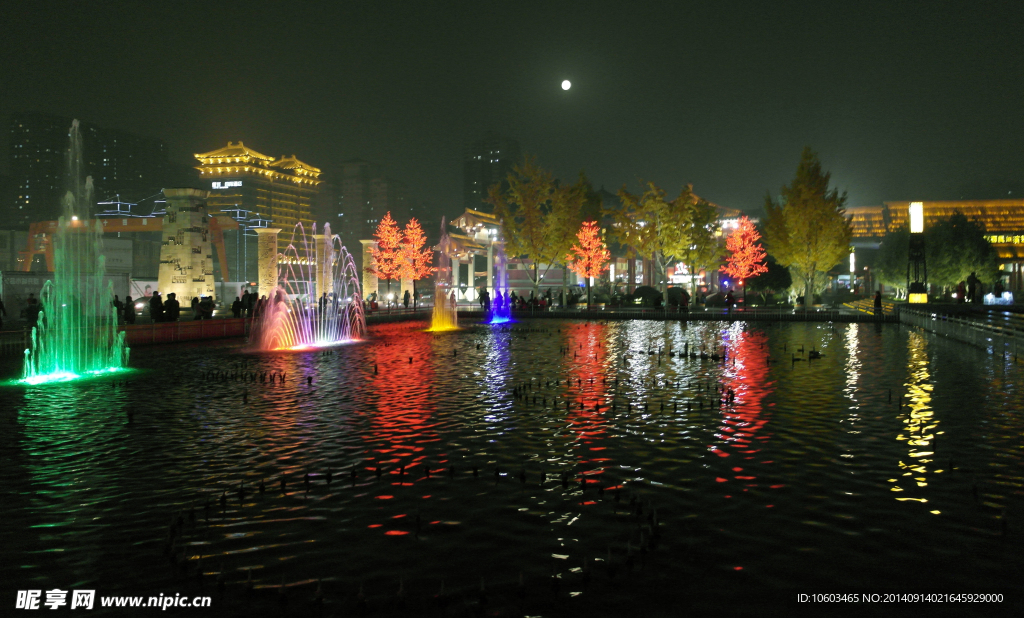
column 901, row 100
column 520, row 309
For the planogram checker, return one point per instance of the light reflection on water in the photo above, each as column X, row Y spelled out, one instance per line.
column 793, row 468
column 920, row 426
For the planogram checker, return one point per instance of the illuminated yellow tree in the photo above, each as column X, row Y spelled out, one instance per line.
column 538, row 216
column 806, row 229
column 590, row 257
column 656, row 228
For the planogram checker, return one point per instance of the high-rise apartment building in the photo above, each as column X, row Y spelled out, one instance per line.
column 387, row 195
column 281, row 190
column 487, row 161
column 122, row 165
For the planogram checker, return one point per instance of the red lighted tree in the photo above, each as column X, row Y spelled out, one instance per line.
column 746, row 256
column 417, row 260
column 591, row 256
column 387, row 254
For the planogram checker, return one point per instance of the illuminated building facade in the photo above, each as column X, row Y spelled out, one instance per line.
column 1003, row 221
column 280, row 190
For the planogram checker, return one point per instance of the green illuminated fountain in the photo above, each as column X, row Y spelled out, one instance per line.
column 77, row 334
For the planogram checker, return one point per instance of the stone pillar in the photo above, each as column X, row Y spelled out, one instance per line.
column 324, row 268
column 370, row 283
column 186, row 253
column 490, row 268
column 266, row 260
column 456, row 267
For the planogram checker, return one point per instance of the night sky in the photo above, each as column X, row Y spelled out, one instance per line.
column 903, row 100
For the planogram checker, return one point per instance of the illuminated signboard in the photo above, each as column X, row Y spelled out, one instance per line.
column 227, row 183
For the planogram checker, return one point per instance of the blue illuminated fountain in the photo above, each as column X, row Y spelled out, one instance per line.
column 77, row 334
column 501, row 310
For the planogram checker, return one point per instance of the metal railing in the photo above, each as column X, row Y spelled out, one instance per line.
column 999, row 331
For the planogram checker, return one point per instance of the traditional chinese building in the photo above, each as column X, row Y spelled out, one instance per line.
column 280, row 190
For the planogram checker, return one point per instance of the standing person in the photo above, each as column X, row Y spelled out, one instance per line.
column 156, row 308
column 245, row 301
column 118, row 309
column 961, row 292
column 206, row 308
column 195, row 308
column 236, row 308
column 972, row 288
column 3, row 312
column 129, row 310
column 878, row 303
column 730, row 300
column 406, row 299
column 453, row 301
column 172, row 308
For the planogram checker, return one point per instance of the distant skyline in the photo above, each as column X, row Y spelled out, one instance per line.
column 901, row 100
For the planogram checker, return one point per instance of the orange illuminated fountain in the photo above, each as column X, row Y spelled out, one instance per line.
column 445, row 315
column 317, row 301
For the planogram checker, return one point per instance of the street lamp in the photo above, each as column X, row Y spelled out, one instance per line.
column 853, row 270
column 917, row 267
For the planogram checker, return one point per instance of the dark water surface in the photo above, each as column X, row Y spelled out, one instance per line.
column 811, row 480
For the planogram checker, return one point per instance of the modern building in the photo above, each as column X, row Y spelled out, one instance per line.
column 387, row 195
column 122, row 165
column 280, row 190
column 355, row 179
column 487, row 161
column 365, row 195
column 1003, row 221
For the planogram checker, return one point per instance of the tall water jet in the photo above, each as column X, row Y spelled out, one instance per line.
column 317, row 301
column 445, row 315
column 76, row 334
column 501, row 309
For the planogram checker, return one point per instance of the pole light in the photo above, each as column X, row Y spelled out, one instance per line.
column 917, row 267
column 917, row 217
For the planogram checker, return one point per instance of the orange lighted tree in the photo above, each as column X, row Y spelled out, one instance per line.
column 417, row 260
column 591, row 256
column 387, row 254
column 746, row 256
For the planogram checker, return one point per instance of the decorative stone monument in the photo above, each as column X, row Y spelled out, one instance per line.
column 324, row 280
column 186, row 254
column 266, row 259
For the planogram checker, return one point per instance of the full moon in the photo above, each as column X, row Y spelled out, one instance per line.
column 566, row 84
